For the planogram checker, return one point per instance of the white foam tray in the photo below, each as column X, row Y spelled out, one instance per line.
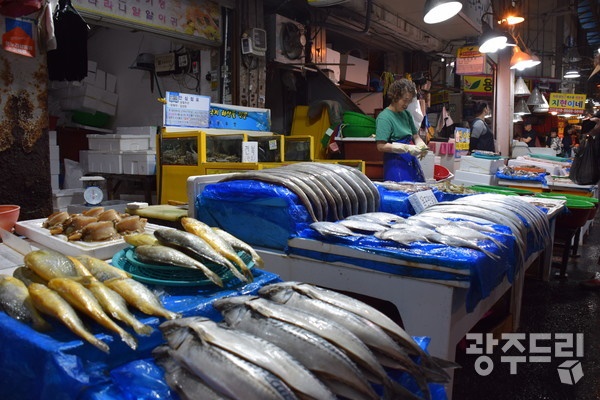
column 33, row 230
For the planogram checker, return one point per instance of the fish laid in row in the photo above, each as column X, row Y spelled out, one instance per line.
column 327, row 191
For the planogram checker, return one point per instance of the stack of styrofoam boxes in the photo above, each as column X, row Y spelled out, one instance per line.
column 120, row 154
column 444, row 153
column 141, row 162
column 477, row 171
column 95, row 93
column 54, row 161
column 62, row 199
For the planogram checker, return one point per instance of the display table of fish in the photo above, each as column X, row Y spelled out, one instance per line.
column 78, row 343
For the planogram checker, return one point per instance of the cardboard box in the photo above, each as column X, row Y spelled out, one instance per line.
column 354, row 69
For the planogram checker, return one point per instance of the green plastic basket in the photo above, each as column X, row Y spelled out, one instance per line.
column 168, row 275
column 354, row 118
column 97, row 120
column 501, row 190
column 357, row 130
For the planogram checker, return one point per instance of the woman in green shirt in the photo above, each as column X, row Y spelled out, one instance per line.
column 397, row 136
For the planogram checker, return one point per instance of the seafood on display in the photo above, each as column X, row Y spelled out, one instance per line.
column 329, row 192
column 94, row 225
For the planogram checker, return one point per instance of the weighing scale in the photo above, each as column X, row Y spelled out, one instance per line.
column 94, row 189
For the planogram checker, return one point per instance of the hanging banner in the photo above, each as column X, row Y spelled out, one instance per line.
column 197, row 21
column 18, row 37
column 567, row 103
column 462, row 137
column 482, row 84
column 469, row 61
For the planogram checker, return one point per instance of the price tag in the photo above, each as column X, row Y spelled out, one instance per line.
column 249, row 151
column 421, row 200
column 273, row 144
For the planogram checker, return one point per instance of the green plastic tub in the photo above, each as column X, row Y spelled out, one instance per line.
column 354, row 118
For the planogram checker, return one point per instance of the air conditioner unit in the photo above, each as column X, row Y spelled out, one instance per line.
column 286, row 40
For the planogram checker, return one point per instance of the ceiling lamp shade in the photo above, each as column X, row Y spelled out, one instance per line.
column 491, row 40
column 536, row 98
column 521, row 88
column 542, row 108
column 522, row 108
column 436, row 11
column 520, row 59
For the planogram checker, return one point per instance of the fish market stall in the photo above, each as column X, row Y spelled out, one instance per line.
column 440, row 290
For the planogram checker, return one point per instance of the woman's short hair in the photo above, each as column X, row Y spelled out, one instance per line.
column 399, row 88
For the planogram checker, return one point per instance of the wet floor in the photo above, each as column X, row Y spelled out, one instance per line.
column 553, row 307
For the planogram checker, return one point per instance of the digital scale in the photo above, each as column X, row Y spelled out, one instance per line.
column 94, row 187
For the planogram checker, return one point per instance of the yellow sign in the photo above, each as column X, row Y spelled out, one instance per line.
column 567, row 103
column 478, row 84
column 470, row 61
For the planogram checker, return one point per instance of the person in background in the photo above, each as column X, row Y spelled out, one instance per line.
column 482, row 137
column 567, row 141
column 529, row 135
column 554, row 142
column 418, row 106
column 397, row 136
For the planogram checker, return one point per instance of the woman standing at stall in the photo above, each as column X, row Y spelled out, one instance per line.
column 482, row 137
column 397, row 136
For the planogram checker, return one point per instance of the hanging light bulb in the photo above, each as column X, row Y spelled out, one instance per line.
column 572, row 74
column 521, row 88
column 536, row 98
column 491, row 40
column 436, row 11
column 520, row 59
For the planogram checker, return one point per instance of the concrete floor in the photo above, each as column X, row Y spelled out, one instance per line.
column 548, row 307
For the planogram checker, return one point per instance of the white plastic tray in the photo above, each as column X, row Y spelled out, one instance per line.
column 34, row 231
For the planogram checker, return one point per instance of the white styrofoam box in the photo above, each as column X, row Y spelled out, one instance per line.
column 473, row 178
column 100, row 79
column 83, row 160
column 82, row 103
column 62, row 198
column 55, row 181
column 332, row 59
column 117, row 142
column 427, row 165
column 92, row 66
column 106, row 108
column 55, row 166
column 137, row 130
column 90, row 78
column 109, row 97
column 368, row 102
column 111, row 83
column 480, row 165
column 354, row 69
column 543, row 150
column 551, row 168
column 139, row 162
column 54, row 153
column 52, row 138
column 104, row 162
column 85, row 90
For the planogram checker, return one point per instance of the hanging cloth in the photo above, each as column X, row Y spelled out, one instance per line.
column 69, row 61
column 19, row 8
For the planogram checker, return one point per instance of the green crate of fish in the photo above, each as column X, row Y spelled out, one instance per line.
column 169, row 275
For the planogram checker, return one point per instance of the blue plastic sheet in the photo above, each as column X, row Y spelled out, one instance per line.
column 397, row 202
column 541, row 177
column 59, row 365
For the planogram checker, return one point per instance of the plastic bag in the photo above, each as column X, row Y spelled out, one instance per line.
column 585, row 169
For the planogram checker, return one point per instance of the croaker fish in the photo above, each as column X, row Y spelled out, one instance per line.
column 49, row 302
column 83, row 300
column 159, row 254
column 137, row 295
column 16, row 302
column 195, row 247
column 50, row 264
column 201, row 229
column 239, row 244
column 100, row 269
column 27, row 276
column 138, row 239
column 255, row 350
column 324, row 359
column 115, row 305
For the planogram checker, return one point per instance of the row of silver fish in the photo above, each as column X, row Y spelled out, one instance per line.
column 66, row 288
column 302, row 340
column 328, row 191
column 199, row 247
column 463, row 222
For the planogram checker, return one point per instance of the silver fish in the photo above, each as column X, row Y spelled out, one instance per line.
column 327, row 228
column 277, row 180
column 49, row 302
column 401, row 235
column 366, row 202
column 158, row 254
column 324, row 359
column 317, row 198
column 225, row 372
column 239, row 244
column 467, row 233
column 196, row 247
column 382, row 218
column 362, row 226
column 16, row 302
column 387, row 351
column 187, row 385
column 255, row 350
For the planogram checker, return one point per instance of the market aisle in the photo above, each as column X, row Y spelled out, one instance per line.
column 548, row 307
